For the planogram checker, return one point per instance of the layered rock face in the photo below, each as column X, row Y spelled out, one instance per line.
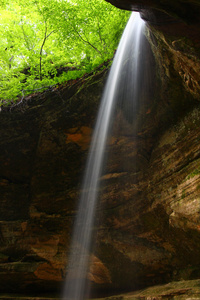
column 148, row 217
column 177, row 27
column 160, row 222
column 44, row 143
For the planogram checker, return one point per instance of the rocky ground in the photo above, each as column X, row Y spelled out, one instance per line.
column 180, row 290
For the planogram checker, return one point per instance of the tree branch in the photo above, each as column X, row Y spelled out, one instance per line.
column 44, row 40
column 87, row 42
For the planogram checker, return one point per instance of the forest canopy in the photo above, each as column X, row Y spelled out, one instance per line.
column 47, row 42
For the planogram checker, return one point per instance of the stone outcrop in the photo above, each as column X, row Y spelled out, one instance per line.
column 148, row 221
column 175, row 29
column 185, row 10
column 174, row 290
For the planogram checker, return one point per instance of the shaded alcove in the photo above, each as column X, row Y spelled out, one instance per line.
column 150, row 214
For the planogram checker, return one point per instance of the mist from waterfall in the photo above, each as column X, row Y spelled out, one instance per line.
column 79, row 259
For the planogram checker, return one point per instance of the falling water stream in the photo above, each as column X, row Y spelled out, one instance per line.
column 76, row 282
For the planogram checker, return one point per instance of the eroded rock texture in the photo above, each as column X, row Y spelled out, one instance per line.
column 44, row 142
column 148, row 217
column 177, row 27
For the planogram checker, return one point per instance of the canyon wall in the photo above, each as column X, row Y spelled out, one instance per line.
column 148, row 218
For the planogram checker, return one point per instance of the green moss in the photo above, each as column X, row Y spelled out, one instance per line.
column 194, row 173
column 183, row 194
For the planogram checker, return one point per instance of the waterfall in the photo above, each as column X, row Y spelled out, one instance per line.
column 76, row 282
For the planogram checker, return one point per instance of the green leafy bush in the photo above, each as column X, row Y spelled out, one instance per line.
column 45, row 42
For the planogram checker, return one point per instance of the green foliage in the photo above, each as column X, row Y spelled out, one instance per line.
column 194, row 173
column 45, row 42
column 183, row 194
